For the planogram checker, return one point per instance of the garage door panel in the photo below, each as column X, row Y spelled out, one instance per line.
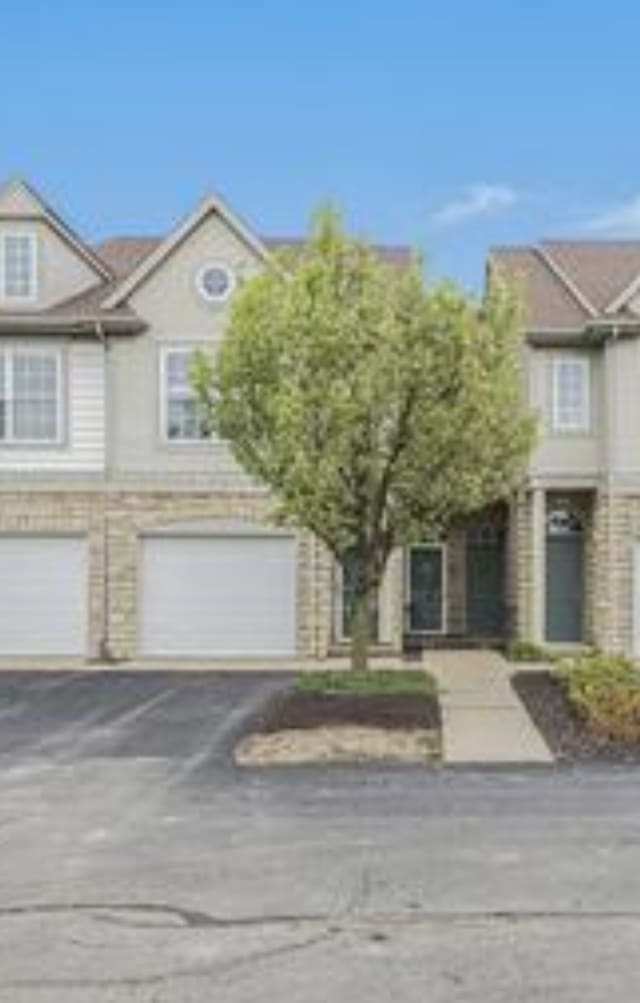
column 218, row 596
column 43, row 595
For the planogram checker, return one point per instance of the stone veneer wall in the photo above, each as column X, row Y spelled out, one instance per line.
column 612, row 530
column 616, row 532
column 522, row 558
column 126, row 515
column 131, row 514
column 456, row 582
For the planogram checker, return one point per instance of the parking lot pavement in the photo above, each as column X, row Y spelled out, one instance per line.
column 137, row 864
column 170, row 715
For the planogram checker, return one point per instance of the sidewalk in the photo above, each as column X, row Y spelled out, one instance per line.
column 483, row 720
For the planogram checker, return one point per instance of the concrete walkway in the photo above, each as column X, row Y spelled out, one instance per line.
column 483, row 719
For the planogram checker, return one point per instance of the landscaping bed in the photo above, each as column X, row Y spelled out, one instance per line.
column 347, row 717
column 575, row 730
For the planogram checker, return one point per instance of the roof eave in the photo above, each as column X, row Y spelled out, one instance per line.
column 19, row 324
column 595, row 332
column 176, row 237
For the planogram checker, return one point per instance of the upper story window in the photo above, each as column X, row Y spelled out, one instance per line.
column 183, row 416
column 571, row 411
column 30, row 396
column 215, row 282
column 18, row 266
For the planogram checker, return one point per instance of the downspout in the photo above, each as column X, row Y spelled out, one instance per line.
column 610, row 404
column 104, row 650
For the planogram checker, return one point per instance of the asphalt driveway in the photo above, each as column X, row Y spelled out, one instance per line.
column 137, row 864
column 188, row 719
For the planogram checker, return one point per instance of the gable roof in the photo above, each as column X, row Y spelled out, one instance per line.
column 154, row 258
column 33, row 206
column 124, row 254
column 121, row 264
column 568, row 284
column 601, row 269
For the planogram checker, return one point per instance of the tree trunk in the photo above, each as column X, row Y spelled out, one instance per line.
column 360, row 630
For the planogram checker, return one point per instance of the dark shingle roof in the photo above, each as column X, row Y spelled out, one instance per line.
column 123, row 254
column 548, row 304
column 567, row 283
column 600, row 269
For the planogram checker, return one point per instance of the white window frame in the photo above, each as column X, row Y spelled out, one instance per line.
column 9, row 439
column 200, row 286
column 165, row 351
column 443, row 548
column 583, row 424
column 5, row 296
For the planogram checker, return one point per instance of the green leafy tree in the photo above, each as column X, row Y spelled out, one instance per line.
column 377, row 410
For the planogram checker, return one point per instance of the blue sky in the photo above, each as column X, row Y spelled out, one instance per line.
column 450, row 126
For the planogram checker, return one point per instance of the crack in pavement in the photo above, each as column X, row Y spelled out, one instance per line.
column 320, row 928
column 225, row 968
column 199, row 919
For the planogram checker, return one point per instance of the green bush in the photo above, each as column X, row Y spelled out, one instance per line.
column 526, row 651
column 605, row 692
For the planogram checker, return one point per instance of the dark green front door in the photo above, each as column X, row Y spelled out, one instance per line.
column 426, row 590
column 565, row 581
column 485, row 582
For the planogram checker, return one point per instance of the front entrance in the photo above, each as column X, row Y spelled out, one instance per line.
column 426, row 586
column 565, row 576
column 485, row 565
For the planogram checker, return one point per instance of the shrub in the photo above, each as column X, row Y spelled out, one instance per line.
column 526, row 651
column 605, row 692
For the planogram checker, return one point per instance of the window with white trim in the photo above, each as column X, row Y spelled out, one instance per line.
column 18, row 266
column 184, row 417
column 571, row 393
column 30, row 396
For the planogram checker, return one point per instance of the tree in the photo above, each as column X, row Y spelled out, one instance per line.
column 377, row 410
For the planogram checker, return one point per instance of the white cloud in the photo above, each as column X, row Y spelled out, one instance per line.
column 623, row 218
column 477, row 200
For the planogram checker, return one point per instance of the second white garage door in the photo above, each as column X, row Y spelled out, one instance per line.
column 43, row 595
column 217, row 596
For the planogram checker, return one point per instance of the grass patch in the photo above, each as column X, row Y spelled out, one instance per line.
column 388, row 681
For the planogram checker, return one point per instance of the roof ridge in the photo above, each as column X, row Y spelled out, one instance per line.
column 590, row 241
column 570, row 285
column 59, row 224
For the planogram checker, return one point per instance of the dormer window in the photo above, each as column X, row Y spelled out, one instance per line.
column 18, row 267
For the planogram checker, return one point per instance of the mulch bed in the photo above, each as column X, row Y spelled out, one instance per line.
column 300, row 710
column 564, row 731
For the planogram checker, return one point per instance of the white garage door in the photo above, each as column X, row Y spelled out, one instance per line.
column 217, row 595
column 43, row 595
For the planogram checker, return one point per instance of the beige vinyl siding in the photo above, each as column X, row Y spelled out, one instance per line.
column 558, row 453
column 623, row 361
column 82, row 449
column 169, row 303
